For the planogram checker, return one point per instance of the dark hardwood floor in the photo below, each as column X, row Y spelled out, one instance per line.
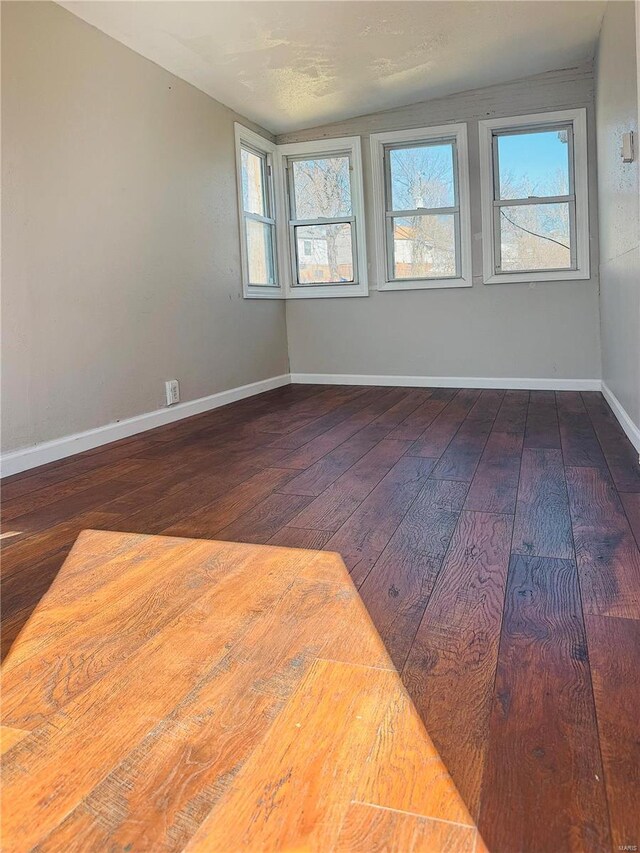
column 493, row 537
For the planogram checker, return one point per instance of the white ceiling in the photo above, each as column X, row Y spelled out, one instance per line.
column 289, row 65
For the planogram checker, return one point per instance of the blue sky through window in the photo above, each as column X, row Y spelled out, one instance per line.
column 536, row 162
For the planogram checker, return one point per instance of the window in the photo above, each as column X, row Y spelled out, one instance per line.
column 256, row 201
column 421, row 204
column 534, row 197
column 325, row 223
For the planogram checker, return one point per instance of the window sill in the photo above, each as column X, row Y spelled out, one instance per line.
column 328, row 292
column 422, row 284
column 256, row 292
column 529, row 277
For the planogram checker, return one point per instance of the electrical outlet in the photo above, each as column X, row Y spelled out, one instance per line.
column 172, row 390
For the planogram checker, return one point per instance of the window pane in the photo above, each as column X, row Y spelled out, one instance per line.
column 260, row 252
column 321, row 187
column 253, row 190
column 424, row 247
column 535, row 237
column 535, row 163
column 422, row 177
column 325, row 253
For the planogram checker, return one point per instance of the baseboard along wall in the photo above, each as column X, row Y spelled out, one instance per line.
column 50, row 451
column 449, row 382
column 26, row 458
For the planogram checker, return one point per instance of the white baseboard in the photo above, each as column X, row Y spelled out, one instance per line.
column 449, row 382
column 49, row 451
column 632, row 431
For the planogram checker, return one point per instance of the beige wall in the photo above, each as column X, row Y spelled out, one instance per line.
column 538, row 330
column 618, row 186
column 121, row 263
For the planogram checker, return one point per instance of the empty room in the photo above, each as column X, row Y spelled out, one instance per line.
column 320, row 435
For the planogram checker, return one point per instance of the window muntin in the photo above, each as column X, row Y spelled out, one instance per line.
column 534, row 205
column 258, row 218
column 322, row 219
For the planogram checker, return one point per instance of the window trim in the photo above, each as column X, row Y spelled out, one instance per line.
column 444, row 133
column 578, row 174
column 322, row 148
column 246, row 138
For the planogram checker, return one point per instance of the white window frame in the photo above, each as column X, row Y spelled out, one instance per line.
column 350, row 145
column 578, row 195
column 456, row 133
column 246, row 138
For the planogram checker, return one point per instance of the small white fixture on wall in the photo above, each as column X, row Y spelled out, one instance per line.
column 627, row 151
column 172, row 391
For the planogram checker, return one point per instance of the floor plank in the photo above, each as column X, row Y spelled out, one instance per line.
column 543, row 524
column 398, row 588
column 607, row 553
column 495, row 483
column 543, row 743
column 454, row 654
column 613, row 655
column 494, row 487
column 580, row 445
column 512, row 414
column 542, row 430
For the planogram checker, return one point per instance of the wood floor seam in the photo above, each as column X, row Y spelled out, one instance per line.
column 412, row 814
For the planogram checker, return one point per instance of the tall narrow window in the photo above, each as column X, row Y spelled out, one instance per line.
column 326, row 237
column 257, row 214
column 421, row 205
column 535, row 217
